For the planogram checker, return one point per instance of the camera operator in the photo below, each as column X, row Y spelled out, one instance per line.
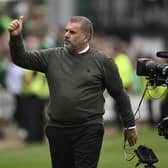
column 164, row 107
column 163, row 125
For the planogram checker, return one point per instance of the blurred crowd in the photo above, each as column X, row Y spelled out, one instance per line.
column 28, row 90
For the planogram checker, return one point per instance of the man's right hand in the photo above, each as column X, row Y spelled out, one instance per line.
column 15, row 27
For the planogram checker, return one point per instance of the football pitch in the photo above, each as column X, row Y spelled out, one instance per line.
column 112, row 153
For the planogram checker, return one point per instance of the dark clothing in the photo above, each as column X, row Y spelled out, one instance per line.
column 18, row 110
column 150, row 111
column 34, row 118
column 76, row 84
column 77, row 147
column 164, row 107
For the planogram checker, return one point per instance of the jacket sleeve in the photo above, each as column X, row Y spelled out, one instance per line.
column 115, row 88
column 34, row 60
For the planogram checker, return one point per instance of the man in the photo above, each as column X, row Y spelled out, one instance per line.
column 77, row 76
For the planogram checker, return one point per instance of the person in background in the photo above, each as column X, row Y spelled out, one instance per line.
column 35, row 96
column 77, row 76
column 13, row 83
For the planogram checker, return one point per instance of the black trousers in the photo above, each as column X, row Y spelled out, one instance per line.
column 77, row 147
column 33, row 118
column 164, row 107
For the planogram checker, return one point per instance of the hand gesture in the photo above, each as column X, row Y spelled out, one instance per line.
column 15, row 27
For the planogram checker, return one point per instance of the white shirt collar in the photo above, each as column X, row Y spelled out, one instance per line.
column 84, row 50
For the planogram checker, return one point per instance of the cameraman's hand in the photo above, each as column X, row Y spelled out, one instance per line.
column 15, row 27
column 130, row 135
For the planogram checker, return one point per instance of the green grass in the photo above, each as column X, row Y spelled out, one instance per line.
column 33, row 156
column 112, row 154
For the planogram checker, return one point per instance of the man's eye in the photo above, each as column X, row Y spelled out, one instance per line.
column 72, row 32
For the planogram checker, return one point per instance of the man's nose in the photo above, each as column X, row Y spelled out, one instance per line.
column 67, row 35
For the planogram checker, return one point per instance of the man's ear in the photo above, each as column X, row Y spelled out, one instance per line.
column 87, row 38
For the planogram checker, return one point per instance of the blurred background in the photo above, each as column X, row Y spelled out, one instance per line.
column 124, row 30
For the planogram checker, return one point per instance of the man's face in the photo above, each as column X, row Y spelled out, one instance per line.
column 74, row 39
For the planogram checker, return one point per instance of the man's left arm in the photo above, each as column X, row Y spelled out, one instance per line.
column 115, row 88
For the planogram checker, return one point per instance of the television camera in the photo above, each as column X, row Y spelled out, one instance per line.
column 157, row 75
